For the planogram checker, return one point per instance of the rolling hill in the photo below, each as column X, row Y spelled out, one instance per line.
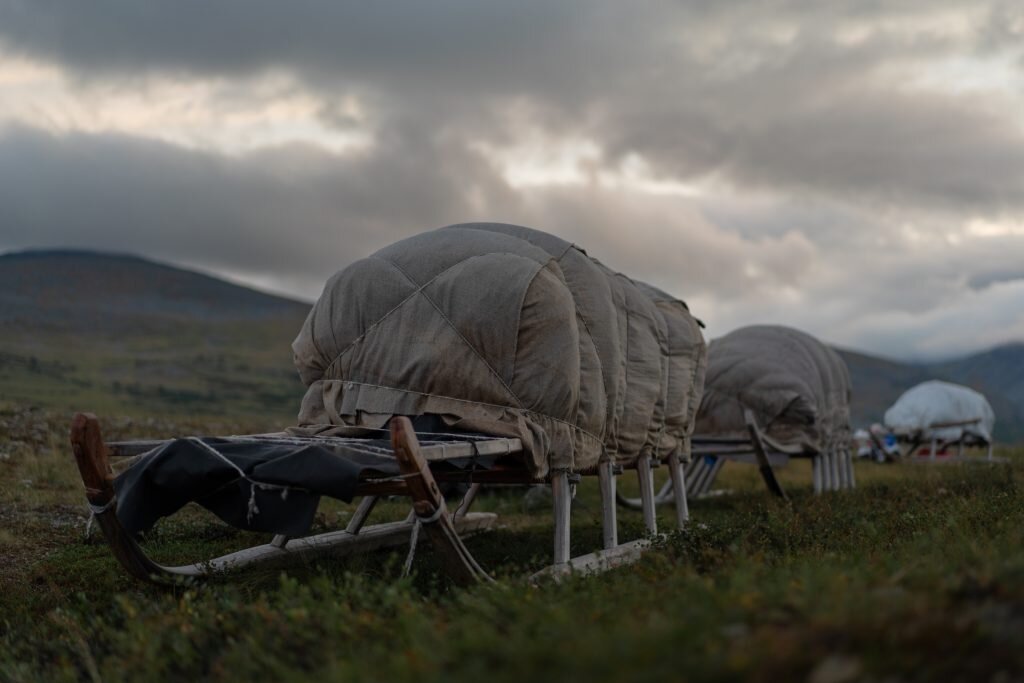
column 997, row 373
column 125, row 335
column 120, row 334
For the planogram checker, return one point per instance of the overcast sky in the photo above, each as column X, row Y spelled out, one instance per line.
column 853, row 168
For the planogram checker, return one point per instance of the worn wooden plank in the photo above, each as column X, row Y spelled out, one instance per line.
column 678, row 480
column 775, row 459
column 362, row 512
column 693, row 473
column 767, row 473
column 333, row 543
column 561, row 499
column 713, row 475
column 467, row 501
column 595, row 562
column 706, row 475
column 609, row 510
column 432, row 451
column 645, row 476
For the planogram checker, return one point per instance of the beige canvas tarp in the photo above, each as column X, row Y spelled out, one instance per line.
column 797, row 387
column 508, row 331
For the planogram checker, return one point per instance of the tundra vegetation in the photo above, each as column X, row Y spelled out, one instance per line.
column 918, row 574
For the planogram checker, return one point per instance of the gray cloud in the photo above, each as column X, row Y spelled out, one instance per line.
column 984, row 280
column 764, row 94
column 295, row 211
column 289, row 217
column 833, row 178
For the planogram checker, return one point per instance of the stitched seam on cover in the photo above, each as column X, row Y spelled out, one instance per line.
column 692, row 420
column 519, row 317
column 389, row 313
column 593, row 339
column 472, row 348
column 421, row 291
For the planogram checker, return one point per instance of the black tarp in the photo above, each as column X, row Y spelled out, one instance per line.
column 269, row 487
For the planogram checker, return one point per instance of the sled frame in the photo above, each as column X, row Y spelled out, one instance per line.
column 911, row 442
column 418, row 482
column 831, row 471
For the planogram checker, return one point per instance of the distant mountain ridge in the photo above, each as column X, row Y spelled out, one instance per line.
column 997, row 373
column 119, row 334
column 85, row 328
column 61, row 285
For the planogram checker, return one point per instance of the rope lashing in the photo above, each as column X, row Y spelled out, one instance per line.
column 414, row 536
column 252, row 509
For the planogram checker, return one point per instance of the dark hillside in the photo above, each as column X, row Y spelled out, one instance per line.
column 115, row 333
column 71, row 289
column 997, row 373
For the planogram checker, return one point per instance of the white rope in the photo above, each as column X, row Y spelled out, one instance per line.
column 414, row 536
column 252, row 509
column 431, row 518
column 97, row 510
column 414, row 539
column 100, row 509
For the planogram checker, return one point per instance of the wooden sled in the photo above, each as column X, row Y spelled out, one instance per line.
column 916, row 447
column 417, row 481
column 831, row 471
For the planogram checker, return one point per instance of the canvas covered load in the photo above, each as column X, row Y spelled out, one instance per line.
column 943, row 411
column 797, row 387
column 509, row 331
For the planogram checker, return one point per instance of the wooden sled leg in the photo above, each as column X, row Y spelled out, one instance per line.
column 695, row 480
column 833, row 460
column 645, row 475
column 818, row 473
column 613, row 555
column 767, row 473
column 678, row 479
column 561, row 497
column 429, row 505
column 363, row 511
column 711, row 476
column 609, row 520
column 691, row 472
column 467, row 501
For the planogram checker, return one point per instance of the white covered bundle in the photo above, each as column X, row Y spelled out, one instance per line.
column 943, row 411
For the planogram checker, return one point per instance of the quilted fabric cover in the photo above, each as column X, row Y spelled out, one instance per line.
column 504, row 330
column 797, row 387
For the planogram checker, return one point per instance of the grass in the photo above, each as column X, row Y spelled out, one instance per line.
column 180, row 369
column 917, row 575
